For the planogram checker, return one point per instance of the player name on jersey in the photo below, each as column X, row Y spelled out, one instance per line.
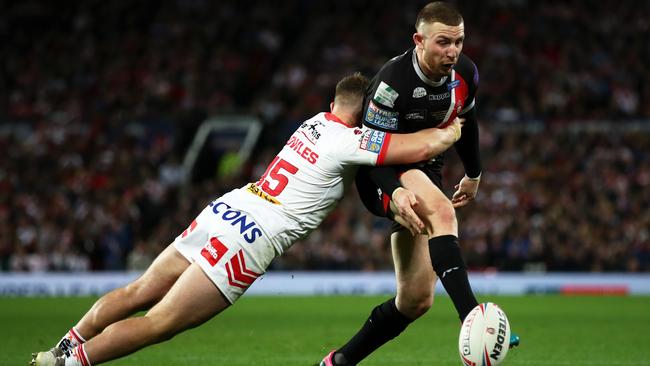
column 297, row 145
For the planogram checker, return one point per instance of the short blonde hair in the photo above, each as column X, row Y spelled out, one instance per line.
column 351, row 90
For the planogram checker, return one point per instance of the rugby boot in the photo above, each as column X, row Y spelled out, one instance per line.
column 55, row 351
column 328, row 360
column 46, row 359
column 514, row 340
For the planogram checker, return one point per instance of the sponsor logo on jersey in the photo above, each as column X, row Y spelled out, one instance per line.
column 380, row 117
column 256, row 190
column 310, row 130
column 419, row 92
column 453, row 84
column 385, row 95
column 440, row 96
column 416, row 115
column 438, row 116
column 248, row 228
column 372, row 140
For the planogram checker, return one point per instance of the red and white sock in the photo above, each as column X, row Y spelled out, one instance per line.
column 70, row 340
column 77, row 357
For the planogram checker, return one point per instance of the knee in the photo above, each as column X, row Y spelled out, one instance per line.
column 415, row 305
column 115, row 301
column 133, row 293
column 442, row 221
column 132, row 290
column 447, row 213
column 142, row 295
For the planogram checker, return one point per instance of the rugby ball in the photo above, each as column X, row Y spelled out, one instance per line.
column 484, row 336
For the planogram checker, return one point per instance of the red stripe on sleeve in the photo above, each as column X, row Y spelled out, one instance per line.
column 461, row 97
column 461, row 92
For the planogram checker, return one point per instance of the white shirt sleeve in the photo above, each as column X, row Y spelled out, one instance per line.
column 355, row 146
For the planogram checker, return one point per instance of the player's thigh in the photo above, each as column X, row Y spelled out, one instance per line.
column 433, row 206
column 160, row 276
column 193, row 300
column 413, row 270
column 170, row 264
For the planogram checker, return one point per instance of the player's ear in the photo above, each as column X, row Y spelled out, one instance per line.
column 418, row 39
column 332, row 107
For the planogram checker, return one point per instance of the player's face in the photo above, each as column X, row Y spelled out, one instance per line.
column 439, row 47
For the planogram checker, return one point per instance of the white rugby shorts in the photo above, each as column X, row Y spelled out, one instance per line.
column 229, row 246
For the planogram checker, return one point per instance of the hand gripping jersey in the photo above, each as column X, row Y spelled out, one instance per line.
column 237, row 236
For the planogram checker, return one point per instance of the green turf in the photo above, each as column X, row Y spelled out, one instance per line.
column 262, row 331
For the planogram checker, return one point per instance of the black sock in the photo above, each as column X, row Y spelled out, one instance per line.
column 385, row 323
column 449, row 265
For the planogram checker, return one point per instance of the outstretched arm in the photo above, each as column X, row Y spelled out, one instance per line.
column 422, row 145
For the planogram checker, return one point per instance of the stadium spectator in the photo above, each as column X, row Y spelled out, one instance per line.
column 96, row 98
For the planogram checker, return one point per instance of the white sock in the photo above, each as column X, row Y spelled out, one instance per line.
column 77, row 357
column 70, row 340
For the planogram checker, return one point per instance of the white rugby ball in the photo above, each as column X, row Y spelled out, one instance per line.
column 484, row 336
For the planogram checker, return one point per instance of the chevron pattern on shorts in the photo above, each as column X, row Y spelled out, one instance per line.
column 238, row 274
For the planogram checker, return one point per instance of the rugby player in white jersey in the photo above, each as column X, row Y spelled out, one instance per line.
column 235, row 238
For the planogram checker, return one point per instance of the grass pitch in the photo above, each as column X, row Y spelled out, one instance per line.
column 265, row 331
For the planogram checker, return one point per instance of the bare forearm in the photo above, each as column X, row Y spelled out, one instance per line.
column 422, row 145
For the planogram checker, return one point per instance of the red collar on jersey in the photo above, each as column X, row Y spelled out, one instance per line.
column 332, row 117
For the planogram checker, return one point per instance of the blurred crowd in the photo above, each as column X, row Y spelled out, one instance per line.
column 99, row 101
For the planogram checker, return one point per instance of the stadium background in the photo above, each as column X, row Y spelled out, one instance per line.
column 100, row 100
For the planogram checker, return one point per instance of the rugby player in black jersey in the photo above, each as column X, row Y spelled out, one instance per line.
column 427, row 86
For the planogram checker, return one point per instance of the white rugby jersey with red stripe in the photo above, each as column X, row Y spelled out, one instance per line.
column 305, row 181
